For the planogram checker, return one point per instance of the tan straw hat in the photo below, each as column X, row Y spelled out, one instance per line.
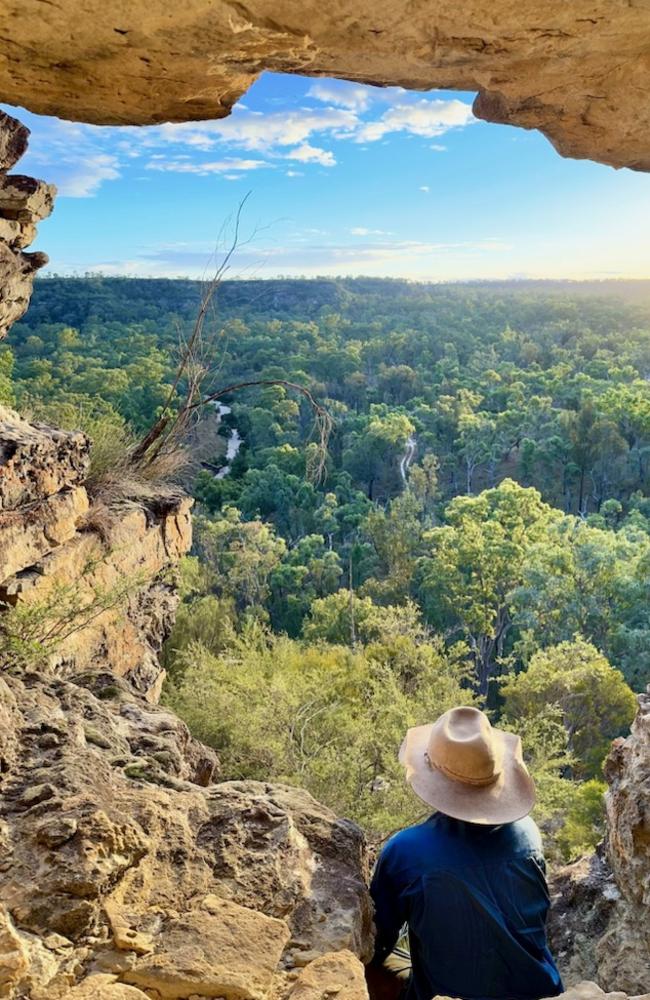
column 466, row 769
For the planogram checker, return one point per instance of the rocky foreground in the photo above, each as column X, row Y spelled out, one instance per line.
column 126, row 871
column 120, row 859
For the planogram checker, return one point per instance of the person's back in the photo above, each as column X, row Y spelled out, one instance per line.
column 469, row 882
column 475, row 901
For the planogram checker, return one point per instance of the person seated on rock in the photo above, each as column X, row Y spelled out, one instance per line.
column 469, row 882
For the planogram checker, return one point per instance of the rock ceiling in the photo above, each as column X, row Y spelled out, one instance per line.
column 579, row 71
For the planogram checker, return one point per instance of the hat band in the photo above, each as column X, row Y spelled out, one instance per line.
column 448, row 773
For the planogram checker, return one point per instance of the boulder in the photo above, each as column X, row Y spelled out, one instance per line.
column 33, row 532
column 591, row 991
column 104, row 987
column 221, row 950
column 334, row 976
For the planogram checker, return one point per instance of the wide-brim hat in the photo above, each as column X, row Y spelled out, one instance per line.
column 468, row 770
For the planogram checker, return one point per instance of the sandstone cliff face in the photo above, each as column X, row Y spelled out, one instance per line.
column 23, row 203
column 577, row 71
column 624, row 951
column 103, row 589
column 599, row 926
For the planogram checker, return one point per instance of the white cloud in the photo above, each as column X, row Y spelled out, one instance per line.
column 295, row 173
column 226, row 167
column 425, row 188
column 257, row 131
column 76, row 158
column 79, row 158
column 355, row 96
column 82, row 179
column 362, row 231
column 438, row 148
column 312, row 154
column 423, row 117
column 354, row 119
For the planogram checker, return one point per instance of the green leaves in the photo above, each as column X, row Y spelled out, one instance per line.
column 322, row 716
column 477, row 558
column 595, row 703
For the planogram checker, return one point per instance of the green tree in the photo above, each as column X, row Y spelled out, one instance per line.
column 475, row 561
column 595, row 702
column 592, row 581
column 373, row 453
column 308, row 571
column 6, row 369
column 342, row 618
column 396, row 536
column 240, row 557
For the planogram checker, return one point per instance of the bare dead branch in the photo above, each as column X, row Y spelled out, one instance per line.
column 167, row 432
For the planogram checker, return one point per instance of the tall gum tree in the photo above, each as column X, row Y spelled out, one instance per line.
column 476, row 559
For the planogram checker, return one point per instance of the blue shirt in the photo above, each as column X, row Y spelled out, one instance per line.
column 475, row 900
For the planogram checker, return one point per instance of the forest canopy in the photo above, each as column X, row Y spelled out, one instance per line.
column 480, row 532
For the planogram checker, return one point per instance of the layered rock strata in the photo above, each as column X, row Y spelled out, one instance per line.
column 98, row 580
column 23, row 203
column 577, row 71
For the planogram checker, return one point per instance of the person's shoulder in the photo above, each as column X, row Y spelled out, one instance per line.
column 411, row 836
column 526, row 836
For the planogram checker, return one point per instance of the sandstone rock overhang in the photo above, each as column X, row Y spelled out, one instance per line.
column 579, row 72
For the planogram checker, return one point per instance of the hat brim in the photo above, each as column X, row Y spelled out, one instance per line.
column 511, row 797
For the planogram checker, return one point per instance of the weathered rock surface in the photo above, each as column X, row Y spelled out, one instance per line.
column 624, row 950
column 99, row 575
column 577, row 71
column 115, row 582
column 13, row 141
column 221, row 950
column 33, row 531
column 122, row 868
column 23, row 202
column 337, row 974
column 582, row 897
column 37, row 461
column 591, row 991
column 598, row 925
column 104, row 987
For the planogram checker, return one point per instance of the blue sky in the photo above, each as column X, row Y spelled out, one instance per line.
column 344, row 179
